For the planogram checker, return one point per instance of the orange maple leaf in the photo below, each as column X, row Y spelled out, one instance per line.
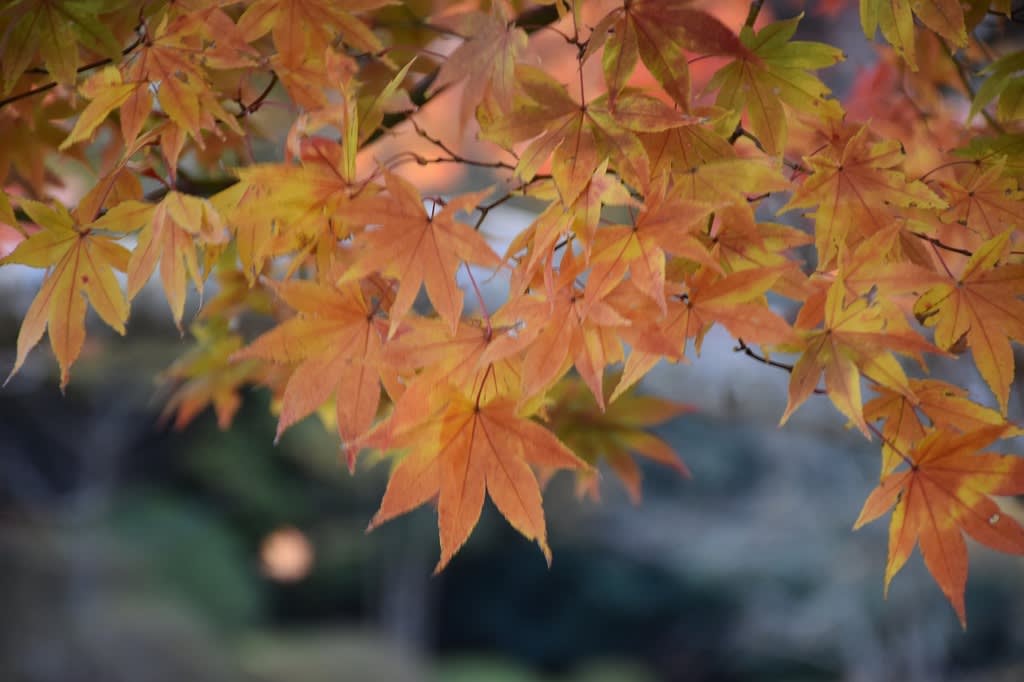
column 482, row 358
column 173, row 63
column 335, row 345
column 468, row 449
column 581, row 217
column 304, row 27
column 944, row 492
column 487, row 60
column 81, row 266
column 171, row 230
column 855, row 339
column 945, row 406
column 566, row 327
column 418, row 248
column 659, row 32
column 666, row 225
column 576, row 136
column 745, row 244
column 982, row 306
column 855, row 190
column 984, row 199
column 736, row 301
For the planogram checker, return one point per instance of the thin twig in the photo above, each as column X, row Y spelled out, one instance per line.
column 452, row 155
column 742, row 347
column 936, row 242
column 487, row 208
column 254, row 106
column 51, row 85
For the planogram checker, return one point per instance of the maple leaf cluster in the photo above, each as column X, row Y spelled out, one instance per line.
column 652, row 137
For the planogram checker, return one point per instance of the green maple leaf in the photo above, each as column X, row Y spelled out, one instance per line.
column 777, row 73
column 52, row 30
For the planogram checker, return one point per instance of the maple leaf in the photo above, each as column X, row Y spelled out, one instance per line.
column 736, row 301
column 487, row 60
column 1004, row 80
column 946, row 491
column 981, row 306
column 53, row 29
column 856, row 188
column 666, row 225
column 205, row 376
column 682, row 148
column 895, row 18
column 280, row 209
column 418, row 249
column 776, row 72
column 482, row 357
column 878, row 266
column 81, row 266
column 729, row 180
column 172, row 62
column 301, row 27
column 580, row 218
column 745, row 244
column 985, row 200
column 567, row 328
column 855, row 339
column 106, row 91
column 470, row 449
column 658, row 32
column 945, row 406
column 334, row 344
column 576, row 136
column 169, row 234
column 613, row 433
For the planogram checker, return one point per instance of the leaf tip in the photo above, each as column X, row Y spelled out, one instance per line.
column 351, row 452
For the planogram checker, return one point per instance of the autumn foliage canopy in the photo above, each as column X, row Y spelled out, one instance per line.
column 686, row 166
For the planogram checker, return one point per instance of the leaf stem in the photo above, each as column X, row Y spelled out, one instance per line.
column 489, row 331
column 753, row 12
column 906, row 458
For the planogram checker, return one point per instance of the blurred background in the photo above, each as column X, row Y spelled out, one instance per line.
column 133, row 552
column 130, row 551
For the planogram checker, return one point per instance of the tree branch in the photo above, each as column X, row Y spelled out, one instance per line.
column 531, row 21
